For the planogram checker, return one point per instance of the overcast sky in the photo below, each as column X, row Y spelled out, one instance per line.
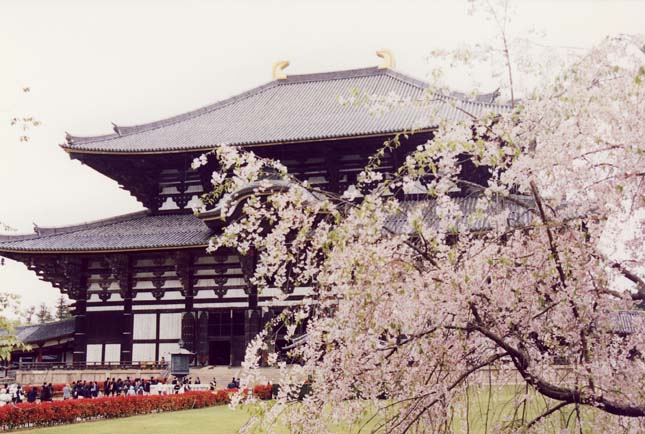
column 129, row 62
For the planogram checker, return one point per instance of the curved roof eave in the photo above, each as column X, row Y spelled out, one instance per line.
column 71, row 150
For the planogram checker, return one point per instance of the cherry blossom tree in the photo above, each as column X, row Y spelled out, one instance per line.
column 421, row 315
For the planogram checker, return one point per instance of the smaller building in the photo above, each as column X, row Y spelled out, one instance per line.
column 50, row 345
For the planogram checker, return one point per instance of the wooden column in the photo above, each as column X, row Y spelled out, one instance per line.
column 75, row 278
column 185, row 269
column 252, row 314
column 333, row 173
column 122, row 269
column 247, row 264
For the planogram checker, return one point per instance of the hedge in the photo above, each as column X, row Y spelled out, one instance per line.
column 70, row 411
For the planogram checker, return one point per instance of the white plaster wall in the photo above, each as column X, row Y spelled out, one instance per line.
column 112, row 352
column 170, row 326
column 143, row 352
column 145, row 326
column 93, row 353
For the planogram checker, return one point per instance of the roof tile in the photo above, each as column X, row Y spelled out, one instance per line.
column 302, row 107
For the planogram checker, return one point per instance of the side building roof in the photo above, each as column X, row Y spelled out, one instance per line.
column 299, row 108
column 40, row 333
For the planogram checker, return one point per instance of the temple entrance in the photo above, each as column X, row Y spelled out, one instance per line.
column 219, row 353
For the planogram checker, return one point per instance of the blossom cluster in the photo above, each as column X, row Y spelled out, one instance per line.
column 524, row 280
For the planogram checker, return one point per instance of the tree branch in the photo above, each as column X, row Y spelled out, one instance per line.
column 552, row 246
column 547, row 413
column 522, row 362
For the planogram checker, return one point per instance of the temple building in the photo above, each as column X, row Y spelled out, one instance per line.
column 142, row 284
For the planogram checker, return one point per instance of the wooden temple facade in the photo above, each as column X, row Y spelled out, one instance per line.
column 143, row 284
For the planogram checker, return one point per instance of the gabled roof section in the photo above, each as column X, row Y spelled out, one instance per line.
column 136, row 231
column 40, row 333
column 299, row 108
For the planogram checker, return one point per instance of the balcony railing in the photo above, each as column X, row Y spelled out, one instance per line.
column 41, row 366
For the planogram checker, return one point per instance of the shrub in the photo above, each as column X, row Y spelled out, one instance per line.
column 61, row 412
column 263, row 391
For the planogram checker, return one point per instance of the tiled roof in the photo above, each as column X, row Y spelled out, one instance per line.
column 629, row 321
column 299, row 108
column 131, row 231
column 518, row 215
column 143, row 231
column 32, row 334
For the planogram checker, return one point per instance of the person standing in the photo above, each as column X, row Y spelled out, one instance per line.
column 32, row 395
column 106, row 387
column 67, row 392
column 43, row 393
column 19, row 394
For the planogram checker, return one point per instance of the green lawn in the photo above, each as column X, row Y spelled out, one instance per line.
column 503, row 407
column 212, row 420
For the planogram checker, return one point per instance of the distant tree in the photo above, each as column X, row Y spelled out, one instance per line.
column 43, row 314
column 28, row 314
column 62, row 309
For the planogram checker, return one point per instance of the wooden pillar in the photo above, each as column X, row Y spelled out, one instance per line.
column 80, row 330
column 252, row 314
column 75, row 280
column 333, row 172
column 185, row 269
column 247, row 264
column 128, row 325
column 122, row 269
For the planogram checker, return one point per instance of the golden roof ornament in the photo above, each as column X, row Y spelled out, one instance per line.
column 388, row 59
column 278, row 67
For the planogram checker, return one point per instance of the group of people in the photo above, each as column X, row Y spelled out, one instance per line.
column 78, row 389
column 15, row 392
column 128, row 387
column 184, row 385
column 18, row 394
column 111, row 387
column 234, row 384
column 81, row 389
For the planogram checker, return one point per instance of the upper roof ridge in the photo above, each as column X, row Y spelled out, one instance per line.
column 237, row 121
column 121, row 130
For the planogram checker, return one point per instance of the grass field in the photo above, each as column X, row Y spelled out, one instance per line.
column 212, row 420
column 502, row 407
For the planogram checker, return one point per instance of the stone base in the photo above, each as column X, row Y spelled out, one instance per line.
column 67, row 376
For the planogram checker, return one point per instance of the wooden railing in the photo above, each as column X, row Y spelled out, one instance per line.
column 41, row 366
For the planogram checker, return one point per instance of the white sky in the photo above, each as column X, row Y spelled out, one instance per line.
column 130, row 62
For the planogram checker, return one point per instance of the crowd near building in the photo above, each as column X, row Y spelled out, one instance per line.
column 111, row 387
